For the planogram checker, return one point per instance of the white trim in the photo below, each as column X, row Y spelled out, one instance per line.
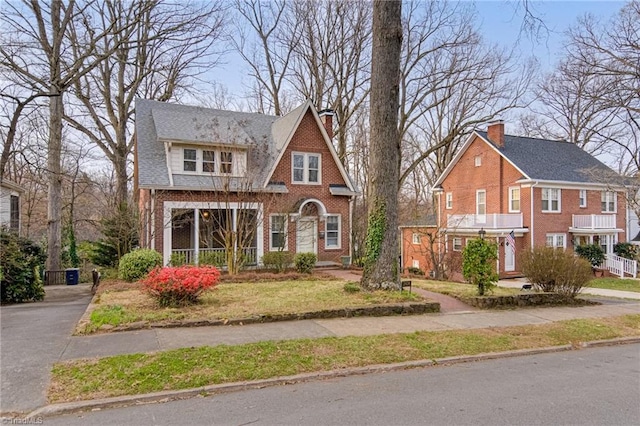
column 167, row 155
column 285, row 231
column 339, row 231
column 314, row 234
column 549, row 200
column 511, row 199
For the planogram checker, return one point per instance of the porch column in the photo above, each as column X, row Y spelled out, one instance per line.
column 196, row 237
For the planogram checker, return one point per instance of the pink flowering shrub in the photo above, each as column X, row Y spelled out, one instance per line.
column 180, row 286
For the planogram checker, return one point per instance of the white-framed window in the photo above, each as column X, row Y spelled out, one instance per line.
column 606, row 242
column 608, row 201
column 557, row 240
column 332, row 231
column 457, row 244
column 277, row 231
column 550, row 199
column 514, row 199
column 189, row 160
column 582, row 198
column 448, row 197
column 226, row 162
column 208, row 161
column 305, row 168
column 477, row 161
column 416, row 263
column 415, row 238
column 481, row 202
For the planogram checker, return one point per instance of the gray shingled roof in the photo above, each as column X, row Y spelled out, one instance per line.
column 547, row 160
column 157, row 122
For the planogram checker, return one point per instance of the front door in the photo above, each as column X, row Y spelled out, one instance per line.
column 306, row 232
column 509, row 258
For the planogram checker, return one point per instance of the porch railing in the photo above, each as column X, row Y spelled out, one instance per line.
column 487, row 221
column 620, row 266
column 215, row 256
column 594, row 221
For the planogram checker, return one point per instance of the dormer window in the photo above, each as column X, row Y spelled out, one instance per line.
column 305, row 168
column 208, row 161
column 226, row 161
column 190, row 161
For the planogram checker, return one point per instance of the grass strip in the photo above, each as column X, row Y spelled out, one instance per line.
column 194, row 367
column 621, row 284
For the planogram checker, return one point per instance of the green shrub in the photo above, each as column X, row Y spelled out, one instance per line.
column 305, row 262
column 277, row 260
column 178, row 259
column 352, row 287
column 138, row 263
column 478, row 264
column 593, row 253
column 21, row 262
column 626, row 250
column 556, row 271
column 415, row 271
column 212, row 258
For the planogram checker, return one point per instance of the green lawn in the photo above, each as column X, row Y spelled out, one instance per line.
column 623, row 284
column 461, row 290
column 195, row 367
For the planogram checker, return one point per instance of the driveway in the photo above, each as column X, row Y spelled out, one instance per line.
column 33, row 337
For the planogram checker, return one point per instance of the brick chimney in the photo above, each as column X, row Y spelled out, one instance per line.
column 495, row 132
column 326, row 116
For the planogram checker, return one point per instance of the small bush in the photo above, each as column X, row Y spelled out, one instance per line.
column 21, row 262
column 305, row 262
column 212, row 258
column 351, row 287
column 138, row 263
column 415, row 271
column 627, row 250
column 178, row 259
column 593, row 253
column 478, row 266
column 174, row 287
column 277, row 260
column 556, row 271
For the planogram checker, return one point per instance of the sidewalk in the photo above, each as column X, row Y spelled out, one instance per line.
column 161, row 339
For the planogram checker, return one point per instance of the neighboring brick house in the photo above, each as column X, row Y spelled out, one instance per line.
column 10, row 194
column 418, row 237
column 540, row 192
column 210, row 179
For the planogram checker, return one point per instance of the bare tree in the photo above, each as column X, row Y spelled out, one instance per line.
column 41, row 48
column 381, row 269
column 160, row 49
column 269, row 56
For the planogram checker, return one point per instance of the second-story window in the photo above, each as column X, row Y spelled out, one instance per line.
column 550, row 200
column 208, row 161
column 449, row 200
column 226, row 161
column 189, row 160
column 514, row 199
column 481, row 202
column 305, row 168
column 416, row 238
column 582, row 198
column 608, row 201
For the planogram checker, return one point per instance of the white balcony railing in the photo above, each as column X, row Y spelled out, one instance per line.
column 487, row 221
column 594, row 221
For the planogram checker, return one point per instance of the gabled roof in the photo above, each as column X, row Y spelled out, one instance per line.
column 543, row 160
column 160, row 124
column 5, row 183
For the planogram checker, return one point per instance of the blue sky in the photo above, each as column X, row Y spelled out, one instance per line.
column 500, row 22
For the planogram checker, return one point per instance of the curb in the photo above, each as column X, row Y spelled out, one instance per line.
column 166, row 396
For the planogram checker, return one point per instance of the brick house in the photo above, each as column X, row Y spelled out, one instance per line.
column 210, row 181
column 417, row 239
column 523, row 192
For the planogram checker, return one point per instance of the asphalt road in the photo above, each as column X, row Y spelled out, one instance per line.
column 33, row 337
column 596, row 386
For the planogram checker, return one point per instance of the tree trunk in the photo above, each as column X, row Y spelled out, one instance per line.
column 381, row 269
column 54, row 165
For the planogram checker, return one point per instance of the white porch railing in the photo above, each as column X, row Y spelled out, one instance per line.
column 594, row 221
column 213, row 256
column 620, row 266
column 487, row 221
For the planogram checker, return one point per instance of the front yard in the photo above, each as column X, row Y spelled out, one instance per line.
column 119, row 303
column 622, row 284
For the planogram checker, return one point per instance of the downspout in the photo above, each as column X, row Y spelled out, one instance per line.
column 531, row 220
column 351, row 200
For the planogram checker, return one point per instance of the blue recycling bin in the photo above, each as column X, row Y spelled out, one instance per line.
column 72, row 276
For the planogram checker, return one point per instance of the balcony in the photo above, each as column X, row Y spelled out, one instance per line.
column 594, row 221
column 486, row 221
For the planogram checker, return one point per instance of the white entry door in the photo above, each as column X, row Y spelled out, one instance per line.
column 509, row 259
column 306, row 241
